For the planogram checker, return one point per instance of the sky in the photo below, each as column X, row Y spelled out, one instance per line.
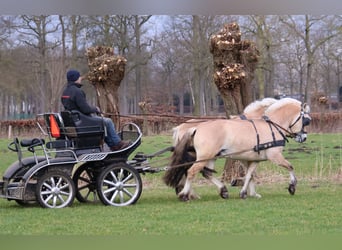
column 171, row 7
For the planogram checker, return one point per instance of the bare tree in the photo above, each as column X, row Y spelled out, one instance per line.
column 309, row 29
column 34, row 32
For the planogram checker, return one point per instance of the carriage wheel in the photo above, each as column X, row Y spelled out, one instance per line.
column 55, row 189
column 85, row 183
column 119, row 185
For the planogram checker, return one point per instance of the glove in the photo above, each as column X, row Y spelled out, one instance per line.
column 98, row 111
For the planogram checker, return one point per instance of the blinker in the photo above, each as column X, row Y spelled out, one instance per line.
column 306, row 121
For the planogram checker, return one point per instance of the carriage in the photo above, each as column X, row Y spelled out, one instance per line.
column 74, row 163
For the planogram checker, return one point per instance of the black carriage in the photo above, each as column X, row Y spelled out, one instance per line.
column 74, row 162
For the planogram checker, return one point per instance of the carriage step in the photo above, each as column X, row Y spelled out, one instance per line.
column 92, row 157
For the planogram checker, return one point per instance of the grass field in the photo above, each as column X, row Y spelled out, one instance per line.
column 315, row 209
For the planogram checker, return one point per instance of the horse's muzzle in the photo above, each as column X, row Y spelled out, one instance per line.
column 301, row 137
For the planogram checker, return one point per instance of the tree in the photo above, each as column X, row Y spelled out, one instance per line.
column 234, row 64
column 34, row 31
column 312, row 38
column 106, row 72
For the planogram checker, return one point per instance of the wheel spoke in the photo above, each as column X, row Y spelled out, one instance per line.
column 114, row 195
column 129, row 177
column 121, row 174
column 48, row 198
column 47, row 185
column 112, row 173
column 59, row 182
column 60, row 197
column 65, row 193
column 122, row 199
column 54, row 201
column 108, row 182
column 66, row 185
column 52, row 180
column 109, row 190
column 46, row 192
column 84, row 186
column 127, row 192
column 87, row 180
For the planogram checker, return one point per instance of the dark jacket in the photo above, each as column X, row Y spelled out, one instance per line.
column 74, row 98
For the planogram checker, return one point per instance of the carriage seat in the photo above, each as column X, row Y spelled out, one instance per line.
column 86, row 131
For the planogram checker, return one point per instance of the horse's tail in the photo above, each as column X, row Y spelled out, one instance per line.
column 183, row 153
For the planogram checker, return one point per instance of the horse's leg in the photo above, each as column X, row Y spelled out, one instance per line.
column 187, row 193
column 251, row 188
column 208, row 174
column 281, row 161
column 250, row 170
column 180, row 186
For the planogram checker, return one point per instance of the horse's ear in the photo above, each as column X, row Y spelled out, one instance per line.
column 306, row 108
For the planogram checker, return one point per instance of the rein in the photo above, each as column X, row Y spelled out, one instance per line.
column 209, row 159
column 278, row 127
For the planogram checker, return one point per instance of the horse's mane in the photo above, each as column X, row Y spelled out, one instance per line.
column 280, row 103
column 258, row 104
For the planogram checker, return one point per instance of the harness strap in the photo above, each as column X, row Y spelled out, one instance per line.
column 274, row 143
column 243, row 117
column 258, row 137
column 278, row 127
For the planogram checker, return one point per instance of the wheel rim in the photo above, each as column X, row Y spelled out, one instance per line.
column 56, row 191
column 120, row 186
column 85, row 182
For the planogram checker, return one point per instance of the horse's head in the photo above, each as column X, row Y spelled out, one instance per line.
column 291, row 116
column 300, row 123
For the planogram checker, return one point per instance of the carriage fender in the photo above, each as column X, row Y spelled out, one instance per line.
column 64, row 163
column 16, row 166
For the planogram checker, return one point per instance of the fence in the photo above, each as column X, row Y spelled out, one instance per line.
column 330, row 122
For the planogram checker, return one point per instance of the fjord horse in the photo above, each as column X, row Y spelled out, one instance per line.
column 251, row 141
column 254, row 110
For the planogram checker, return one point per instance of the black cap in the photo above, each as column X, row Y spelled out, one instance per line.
column 73, row 75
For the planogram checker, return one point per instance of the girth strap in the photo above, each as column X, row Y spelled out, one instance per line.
column 263, row 146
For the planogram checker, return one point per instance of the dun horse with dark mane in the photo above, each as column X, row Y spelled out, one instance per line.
column 250, row 140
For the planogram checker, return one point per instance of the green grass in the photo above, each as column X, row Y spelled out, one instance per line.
column 315, row 209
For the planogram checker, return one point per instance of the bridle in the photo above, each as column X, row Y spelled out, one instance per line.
column 305, row 120
column 289, row 132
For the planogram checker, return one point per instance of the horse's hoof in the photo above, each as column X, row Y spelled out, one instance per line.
column 233, row 182
column 243, row 194
column 224, row 192
column 183, row 197
column 292, row 189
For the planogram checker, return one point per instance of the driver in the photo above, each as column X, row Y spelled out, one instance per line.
column 74, row 98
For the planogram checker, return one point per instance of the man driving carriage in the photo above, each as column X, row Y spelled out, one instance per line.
column 74, row 98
